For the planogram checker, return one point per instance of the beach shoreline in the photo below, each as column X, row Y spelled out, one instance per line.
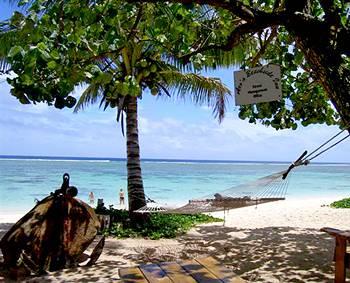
column 275, row 242
column 13, row 215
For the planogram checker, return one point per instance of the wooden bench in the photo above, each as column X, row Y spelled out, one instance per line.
column 203, row 270
column 341, row 256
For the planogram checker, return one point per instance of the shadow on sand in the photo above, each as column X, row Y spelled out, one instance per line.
column 271, row 254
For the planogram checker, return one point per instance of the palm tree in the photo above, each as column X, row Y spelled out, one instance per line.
column 133, row 73
column 118, row 60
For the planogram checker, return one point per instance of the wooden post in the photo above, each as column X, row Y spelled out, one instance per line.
column 340, row 254
column 341, row 258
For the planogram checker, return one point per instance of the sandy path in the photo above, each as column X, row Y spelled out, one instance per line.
column 277, row 242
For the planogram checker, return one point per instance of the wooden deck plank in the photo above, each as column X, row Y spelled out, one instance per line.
column 154, row 274
column 202, row 270
column 199, row 272
column 132, row 275
column 220, row 271
column 176, row 273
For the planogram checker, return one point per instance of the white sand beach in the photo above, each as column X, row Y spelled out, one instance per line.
column 275, row 242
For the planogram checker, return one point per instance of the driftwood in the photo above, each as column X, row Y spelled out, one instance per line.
column 53, row 235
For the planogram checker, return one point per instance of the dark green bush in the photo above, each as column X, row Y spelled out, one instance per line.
column 171, row 225
column 344, row 203
column 157, row 225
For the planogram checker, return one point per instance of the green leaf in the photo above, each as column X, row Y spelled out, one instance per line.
column 54, row 54
column 104, row 78
column 20, row 96
column 51, row 65
column 44, row 55
column 27, row 80
column 41, row 46
column 15, row 51
column 298, row 58
column 89, row 75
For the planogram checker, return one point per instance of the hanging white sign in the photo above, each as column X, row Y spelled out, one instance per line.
column 261, row 84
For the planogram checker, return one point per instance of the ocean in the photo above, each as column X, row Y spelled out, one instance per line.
column 171, row 182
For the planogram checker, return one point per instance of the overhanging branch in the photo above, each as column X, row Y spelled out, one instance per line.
column 264, row 46
column 236, row 36
column 255, row 20
column 330, row 10
column 233, row 40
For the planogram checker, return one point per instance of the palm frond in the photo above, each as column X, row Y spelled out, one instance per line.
column 199, row 89
column 8, row 39
column 29, row 3
column 4, row 66
column 177, row 63
column 225, row 59
column 89, row 96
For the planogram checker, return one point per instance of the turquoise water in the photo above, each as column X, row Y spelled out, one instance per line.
column 171, row 182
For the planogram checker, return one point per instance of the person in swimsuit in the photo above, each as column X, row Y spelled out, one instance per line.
column 91, row 198
column 121, row 197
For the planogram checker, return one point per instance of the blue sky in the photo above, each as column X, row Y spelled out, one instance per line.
column 168, row 129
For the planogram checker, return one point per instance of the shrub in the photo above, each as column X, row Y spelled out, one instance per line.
column 344, row 203
column 157, row 226
column 171, row 225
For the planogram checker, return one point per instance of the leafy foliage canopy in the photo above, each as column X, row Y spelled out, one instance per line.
column 65, row 43
column 116, row 49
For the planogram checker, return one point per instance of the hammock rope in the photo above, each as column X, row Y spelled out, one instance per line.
column 328, row 148
column 305, row 158
column 325, row 143
column 266, row 189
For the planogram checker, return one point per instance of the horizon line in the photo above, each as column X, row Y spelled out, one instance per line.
column 9, row 156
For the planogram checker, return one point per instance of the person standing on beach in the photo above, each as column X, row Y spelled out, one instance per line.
column 121, row 197
column 91, row 198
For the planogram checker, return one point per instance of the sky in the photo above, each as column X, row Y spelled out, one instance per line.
column 168, row 129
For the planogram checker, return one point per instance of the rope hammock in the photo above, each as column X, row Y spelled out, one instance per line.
column 263, row 190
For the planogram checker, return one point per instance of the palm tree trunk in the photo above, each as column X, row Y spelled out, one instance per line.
column 136, row 194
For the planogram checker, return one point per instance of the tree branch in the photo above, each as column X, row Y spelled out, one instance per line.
column 332, row 19
column 329, row 9
column 133, row 30
column 264, row 46
column 260, row 23
column 343, row 40
column 255, row 20
column 233, row 40
column 276, row 5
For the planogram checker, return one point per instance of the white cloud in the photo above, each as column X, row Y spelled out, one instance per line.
column 11, row 75
column 206, row 108
column 234, row 139
column 246, row 131
column 173, row 130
